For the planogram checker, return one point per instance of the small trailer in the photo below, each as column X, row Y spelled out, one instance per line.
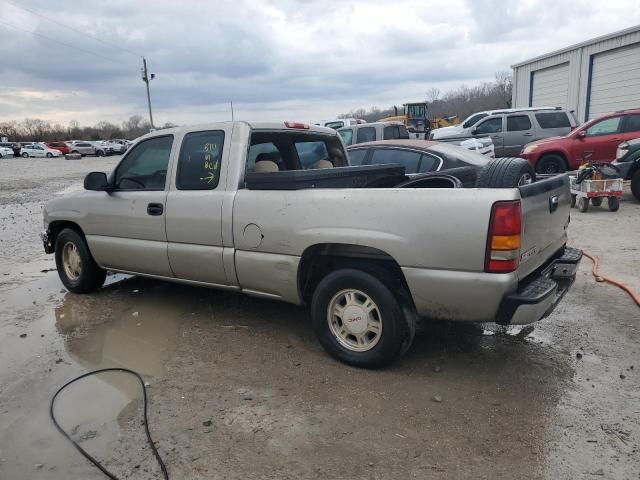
column 595, row 191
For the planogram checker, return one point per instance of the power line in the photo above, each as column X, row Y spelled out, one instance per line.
column 73, row 29
column 18, row 29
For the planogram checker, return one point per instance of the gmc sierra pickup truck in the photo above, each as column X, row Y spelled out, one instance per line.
column 274, row 210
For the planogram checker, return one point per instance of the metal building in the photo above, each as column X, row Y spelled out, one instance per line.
column 591, row 78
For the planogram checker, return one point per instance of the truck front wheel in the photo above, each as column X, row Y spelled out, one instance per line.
column 358, row 320
column 76, row 268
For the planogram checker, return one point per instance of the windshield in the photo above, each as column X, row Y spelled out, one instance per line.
column 473, row 119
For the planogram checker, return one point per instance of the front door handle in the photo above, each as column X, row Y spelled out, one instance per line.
column 528, row 134
column 155, row 209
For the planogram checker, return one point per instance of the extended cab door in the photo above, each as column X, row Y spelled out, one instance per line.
column 491, row 127
column 125, row 226
column 520, row 131
column 194, row 207
column 599, row 142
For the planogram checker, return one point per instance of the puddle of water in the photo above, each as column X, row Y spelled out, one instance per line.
column 130, row 323
column 524, row 332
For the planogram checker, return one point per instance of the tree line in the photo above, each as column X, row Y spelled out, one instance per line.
column 462, row 101
column 35, row 129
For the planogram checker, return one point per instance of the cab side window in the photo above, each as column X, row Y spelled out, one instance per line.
column 493, row 125
column 366, row 134
column 604, row 127
column 517, row 123
column 145, row 167
column 200, row 159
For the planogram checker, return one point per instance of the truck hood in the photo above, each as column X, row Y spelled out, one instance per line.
column 446, row 131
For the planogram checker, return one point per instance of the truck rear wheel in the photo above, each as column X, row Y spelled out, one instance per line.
column 506, row 172
column 76, row 268
column 635, row 185
column 358, row 320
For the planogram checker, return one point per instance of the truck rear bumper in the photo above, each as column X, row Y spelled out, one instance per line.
column 538, row 295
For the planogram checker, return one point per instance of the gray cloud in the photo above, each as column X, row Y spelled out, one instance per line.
column 309, row 59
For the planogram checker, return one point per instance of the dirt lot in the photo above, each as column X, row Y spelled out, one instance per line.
column 240, row 389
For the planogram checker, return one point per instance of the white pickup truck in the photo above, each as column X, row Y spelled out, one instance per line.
column 274, row 210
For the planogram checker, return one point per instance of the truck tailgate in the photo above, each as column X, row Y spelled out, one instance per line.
column 546, row 205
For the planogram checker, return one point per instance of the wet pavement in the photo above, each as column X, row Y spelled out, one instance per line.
column 560, row 399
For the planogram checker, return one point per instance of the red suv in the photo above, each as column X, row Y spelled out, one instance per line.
column 61, row 146
column 593, row 141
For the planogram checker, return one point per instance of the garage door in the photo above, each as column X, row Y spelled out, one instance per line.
column 549, row 87
column 615, row 80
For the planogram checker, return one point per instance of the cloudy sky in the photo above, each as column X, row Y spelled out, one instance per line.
column 276, row 59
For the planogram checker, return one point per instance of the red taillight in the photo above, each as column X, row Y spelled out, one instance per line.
column 302, row 126
column 503, row 240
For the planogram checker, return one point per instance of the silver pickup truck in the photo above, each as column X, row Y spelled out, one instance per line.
column 274, row 210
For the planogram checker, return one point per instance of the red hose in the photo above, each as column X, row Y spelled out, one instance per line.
column 601, row 278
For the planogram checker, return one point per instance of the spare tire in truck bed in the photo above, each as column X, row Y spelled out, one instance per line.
column 506, row 172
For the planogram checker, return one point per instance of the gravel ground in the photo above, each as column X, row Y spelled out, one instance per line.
column 239, row 388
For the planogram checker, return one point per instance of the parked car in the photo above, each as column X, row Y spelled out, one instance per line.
column 371, row 132
column 118, row 148
column 368, row 260
column 38, row 150
column 103, row 148
column 6, row 152
column 421, row 156
column 61, row 146
column 513, row 129
column 595, row 141
column 472, row 120
column 82, row 147
column 628, row 163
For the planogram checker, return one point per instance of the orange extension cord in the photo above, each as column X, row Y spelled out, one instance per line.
column 602, row 278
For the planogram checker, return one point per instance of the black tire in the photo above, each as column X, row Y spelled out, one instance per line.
column 505, row 172
column 49, row 155
column 99, row 153
column 551, row 163
column 25, row 155
column 573, row 201
column 91, row 277
column 635, row 185
column 583, row 204
column 75, row 151
column 596, row 201
column 396, row 332
column 614, row 204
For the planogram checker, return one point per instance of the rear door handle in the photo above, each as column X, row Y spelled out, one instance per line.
column 528, row 134
column 155, row 209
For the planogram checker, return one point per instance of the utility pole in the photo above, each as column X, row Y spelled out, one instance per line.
column 146, row 79
column 231, row 110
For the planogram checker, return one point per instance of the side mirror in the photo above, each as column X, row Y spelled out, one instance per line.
column 581, row 134
column 96, row 181
column 474, row 131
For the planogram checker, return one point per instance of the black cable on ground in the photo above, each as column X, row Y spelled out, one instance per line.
column 146, row 423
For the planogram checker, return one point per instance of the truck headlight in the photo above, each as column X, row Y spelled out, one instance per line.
column 530, row 148
column 622, row 150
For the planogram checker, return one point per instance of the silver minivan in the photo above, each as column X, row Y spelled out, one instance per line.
column 512, row 129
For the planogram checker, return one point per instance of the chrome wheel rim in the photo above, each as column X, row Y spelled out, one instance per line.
column 71, row 261
column 525, row 179
column 354, row 320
